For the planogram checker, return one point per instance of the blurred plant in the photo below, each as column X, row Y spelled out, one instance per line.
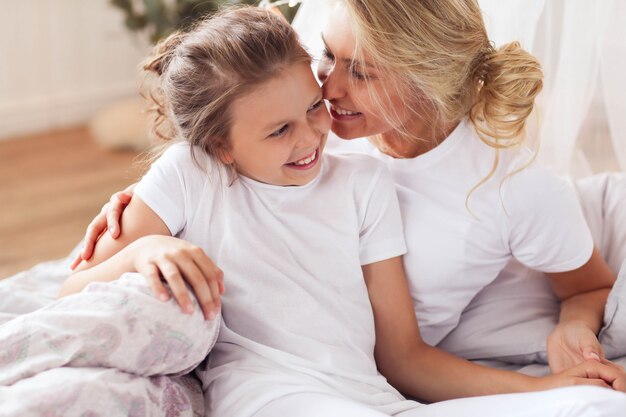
column 159, row 18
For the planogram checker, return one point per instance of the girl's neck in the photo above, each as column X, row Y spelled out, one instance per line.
column 420, row 141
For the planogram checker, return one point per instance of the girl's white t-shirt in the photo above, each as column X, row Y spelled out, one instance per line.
column 456, row 249
column 296, row 310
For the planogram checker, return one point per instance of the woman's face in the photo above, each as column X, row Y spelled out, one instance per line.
column 347, row 84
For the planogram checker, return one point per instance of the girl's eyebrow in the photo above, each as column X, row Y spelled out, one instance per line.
column 348, row 61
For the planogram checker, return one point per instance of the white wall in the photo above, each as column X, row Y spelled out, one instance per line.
column 61, row 61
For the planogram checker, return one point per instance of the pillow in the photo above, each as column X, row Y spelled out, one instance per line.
column 613, row 333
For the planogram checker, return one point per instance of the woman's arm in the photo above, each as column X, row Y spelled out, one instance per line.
column 583, row 293
column 139, row 220
column 425, row 372
column 108, row 219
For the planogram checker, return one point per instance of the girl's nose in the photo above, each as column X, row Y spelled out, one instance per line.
column 316, row 127
column 310, row 136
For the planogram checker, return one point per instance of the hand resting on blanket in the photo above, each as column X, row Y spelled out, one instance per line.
column 157, row 258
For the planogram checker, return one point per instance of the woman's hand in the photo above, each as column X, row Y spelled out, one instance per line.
column 590, row 372
column 178, row 262
column 107, row 219
column 572, row 343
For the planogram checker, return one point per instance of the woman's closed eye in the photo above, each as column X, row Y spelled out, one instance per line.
column 358, row 74
column 327, row 55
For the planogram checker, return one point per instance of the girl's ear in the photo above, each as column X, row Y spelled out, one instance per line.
column 226, row 158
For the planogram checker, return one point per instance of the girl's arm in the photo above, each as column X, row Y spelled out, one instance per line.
column 134, row 250
column 422, row 371
column 583, row 293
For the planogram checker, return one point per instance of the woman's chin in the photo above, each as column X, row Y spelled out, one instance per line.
column 345, row 134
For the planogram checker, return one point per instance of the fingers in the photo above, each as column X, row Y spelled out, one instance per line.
column 77, row 260
column 187, row 270
column 153, row 277
column 594, row 382
column 612, row 364
column 593, row 352
column 214, row 278
column 118, row 202
column 109, row 215
column 620, row 384
column 204, row 276
column 94, row 231
column 613, row 376
column 592, row 356
column 179, row 269
column 174, row 278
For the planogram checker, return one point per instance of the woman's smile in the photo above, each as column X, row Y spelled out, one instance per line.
column 341, row 114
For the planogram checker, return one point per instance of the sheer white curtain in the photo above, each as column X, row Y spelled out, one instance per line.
column 309, row 22
column 582, row 47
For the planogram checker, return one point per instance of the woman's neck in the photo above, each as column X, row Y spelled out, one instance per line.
column 418, row 142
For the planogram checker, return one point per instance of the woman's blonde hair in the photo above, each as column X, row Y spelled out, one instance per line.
column 441, row 53
column 194, row 76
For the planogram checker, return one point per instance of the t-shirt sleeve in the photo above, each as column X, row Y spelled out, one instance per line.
column 547, row 230
column 381, row 235
column 168, row 185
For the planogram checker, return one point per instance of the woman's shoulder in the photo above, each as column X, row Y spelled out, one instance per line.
column 533, row 186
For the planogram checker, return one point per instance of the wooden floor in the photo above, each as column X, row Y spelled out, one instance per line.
column 51, row 186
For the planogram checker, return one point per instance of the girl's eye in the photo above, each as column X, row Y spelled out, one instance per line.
column 316, row 105
column 279, row 132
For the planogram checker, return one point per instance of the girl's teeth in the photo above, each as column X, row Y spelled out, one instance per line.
column 307, row 160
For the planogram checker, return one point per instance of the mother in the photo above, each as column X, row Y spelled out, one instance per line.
column 446, row 112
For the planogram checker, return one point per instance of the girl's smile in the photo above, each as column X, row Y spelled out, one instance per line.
column 307, row 162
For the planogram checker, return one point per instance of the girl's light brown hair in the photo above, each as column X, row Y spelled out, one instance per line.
column 439, row 50
column 194, row 76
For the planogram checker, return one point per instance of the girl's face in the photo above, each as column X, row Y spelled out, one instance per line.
column 279, row 129
column 346, row 85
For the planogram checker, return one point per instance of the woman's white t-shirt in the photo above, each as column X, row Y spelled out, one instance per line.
column 456, row 249
column 296, row 311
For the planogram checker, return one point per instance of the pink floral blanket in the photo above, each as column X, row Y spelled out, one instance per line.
column 112, row 350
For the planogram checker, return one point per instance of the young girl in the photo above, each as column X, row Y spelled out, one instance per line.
column 310, row 246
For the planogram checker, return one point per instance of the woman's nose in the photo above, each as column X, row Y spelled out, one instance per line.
column 332, row 87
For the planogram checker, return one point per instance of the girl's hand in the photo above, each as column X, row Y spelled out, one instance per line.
column 178, row 262
column 590, row 372
column 107, row 219
column 572, row 343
